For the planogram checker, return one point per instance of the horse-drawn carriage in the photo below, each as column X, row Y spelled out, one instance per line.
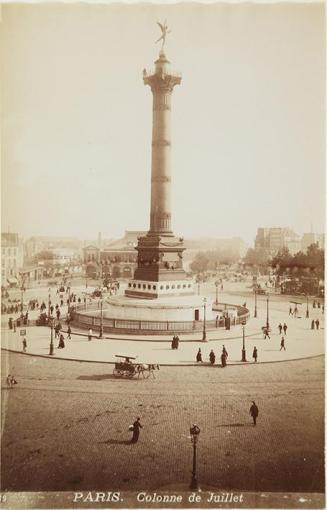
column 124, row 367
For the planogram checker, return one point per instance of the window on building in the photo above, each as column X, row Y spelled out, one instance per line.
column 178, row 286
column 154, row 287
column 149, row 287
column 167, row 287
column 161, row 287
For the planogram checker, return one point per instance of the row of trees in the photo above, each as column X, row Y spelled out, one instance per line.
column 301, row 263
column 210, row 260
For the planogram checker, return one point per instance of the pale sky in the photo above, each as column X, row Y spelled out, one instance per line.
column 247, row 120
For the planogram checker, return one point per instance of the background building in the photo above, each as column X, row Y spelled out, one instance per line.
column 11, row 258
column 276, row 238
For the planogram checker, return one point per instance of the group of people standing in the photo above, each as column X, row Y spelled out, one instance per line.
column 212, row 357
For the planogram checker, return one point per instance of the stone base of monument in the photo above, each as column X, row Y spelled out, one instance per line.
column 171, row 309
column 124, row 315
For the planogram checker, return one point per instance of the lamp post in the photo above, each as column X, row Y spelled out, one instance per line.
column 101, row 319
column 51, row 350
column 216, row 285
column 255, row 304
column 243, row 347
column 307, row 312
column 198, row 279
column 22, row 298
column 267, row 320
column 49, row 301
column 204, row 335
column 194, row 431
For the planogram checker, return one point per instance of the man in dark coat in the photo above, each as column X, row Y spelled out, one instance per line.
column 317, row 323
column 212, row 357
column 312, row 324
column 255, row 354
column 199, row 356
column 285, row 328
column 280, row 327
column 223, row 358
column 282, row 344
column 136, row 430
column 254, row 412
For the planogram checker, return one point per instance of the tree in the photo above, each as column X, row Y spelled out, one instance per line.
column 257, row 257
column 200, row 263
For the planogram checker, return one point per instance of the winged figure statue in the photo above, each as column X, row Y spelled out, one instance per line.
column 164, row 32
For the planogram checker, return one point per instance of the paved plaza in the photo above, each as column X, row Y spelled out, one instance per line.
column 300, row 341
column 65, row 424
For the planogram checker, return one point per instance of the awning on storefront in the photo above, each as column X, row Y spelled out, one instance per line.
column 12, row 281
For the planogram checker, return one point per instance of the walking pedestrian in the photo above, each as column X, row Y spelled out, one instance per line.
column 290, row 312
column 266, row 333
column 223, row 359
column 136, row 430
column 69, row 331
column 61, row 344
column 225, row 352
column 255, row 354
column 9, row 384
column 90, row 335
column 212, row 357
column 313, row 324
column 51, row 309
column 318, row 304
column 314, row 304
column 24, row 344
column 254, row 412
column 317, row 323
column 285, row 328
column 282, row 344
column 199, row 356
column 280, row 327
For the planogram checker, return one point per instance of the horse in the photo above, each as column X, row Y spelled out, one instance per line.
column 150, row 368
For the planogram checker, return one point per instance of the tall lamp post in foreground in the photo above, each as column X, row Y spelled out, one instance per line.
column 51, row 349
column 267, row 320
column 255, row 304
column 243, row 347
column 307, row 312
column 204, row 334
column 101, row 319
column 216, row 285
column 194, row 431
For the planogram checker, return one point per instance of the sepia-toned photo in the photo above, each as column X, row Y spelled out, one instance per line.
column 162, row 255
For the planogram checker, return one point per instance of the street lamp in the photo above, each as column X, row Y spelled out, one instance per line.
column 101, row 319
column 307, row 312
column 255, row 304
column 267, row 320
column 194, row 431
column 51, row 350
column 217, row 285
column 204, row 335
column 22, row 298
column 49, row 301
column 243, row 348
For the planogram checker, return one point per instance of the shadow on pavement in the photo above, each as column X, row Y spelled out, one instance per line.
column 115, row 441
column 102, row 377
column 236, row 425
